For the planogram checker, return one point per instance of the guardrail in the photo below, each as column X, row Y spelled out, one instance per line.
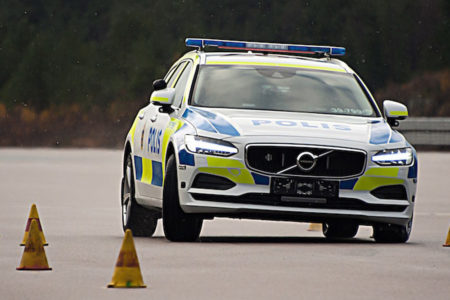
column 426, row 131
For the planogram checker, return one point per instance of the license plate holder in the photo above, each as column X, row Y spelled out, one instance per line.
column 305, row 187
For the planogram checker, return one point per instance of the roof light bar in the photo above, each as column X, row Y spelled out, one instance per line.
column 266, row 47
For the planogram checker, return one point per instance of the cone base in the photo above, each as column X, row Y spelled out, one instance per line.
column 315, row 227
column 33, row 269
column 112, row 285
column 46, row 244
column 445, row 245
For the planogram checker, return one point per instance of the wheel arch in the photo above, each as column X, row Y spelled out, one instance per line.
column 126, row 152
column 170, row 150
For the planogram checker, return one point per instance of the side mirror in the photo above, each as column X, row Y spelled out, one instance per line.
column 163, row 97
column 394, row 111
column 159, row 84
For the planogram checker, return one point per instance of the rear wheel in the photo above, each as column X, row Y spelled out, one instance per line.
column 140, row 220
column 178, row 226
column 339, row 229
column 390, row 233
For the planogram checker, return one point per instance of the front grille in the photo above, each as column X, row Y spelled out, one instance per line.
column 276, row 200
column 282, row 160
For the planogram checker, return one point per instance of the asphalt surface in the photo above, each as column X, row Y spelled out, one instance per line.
column 77, row 195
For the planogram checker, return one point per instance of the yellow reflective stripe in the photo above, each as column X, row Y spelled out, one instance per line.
column 159, row 99
column 224, row 162
column 235, row 175
column 274, row 65
column 133, row 128
column 388, row 172
column 367, row 183
column 172, row 127
column 190, row 55
column 146, row 170
column 189, row 81
column 399, row 113
column 179, row 74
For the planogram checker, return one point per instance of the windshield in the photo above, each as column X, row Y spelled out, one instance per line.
column 282, row 89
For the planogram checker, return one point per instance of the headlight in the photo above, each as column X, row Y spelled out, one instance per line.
column 394, row 157
column 204, row 145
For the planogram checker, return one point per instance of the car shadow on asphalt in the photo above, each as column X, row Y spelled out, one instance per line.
column 280, row 240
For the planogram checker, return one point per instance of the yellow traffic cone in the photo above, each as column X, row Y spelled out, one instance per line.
column 315, row 227
column 34, row 257
column 127, row 273
column 447, row 241
column 33, row 216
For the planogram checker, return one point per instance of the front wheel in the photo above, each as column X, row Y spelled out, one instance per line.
column 140, row 220
column 390, row 233
column 339, row 229
column 178, row 226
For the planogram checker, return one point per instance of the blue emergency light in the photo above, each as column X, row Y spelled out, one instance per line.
column 265, row 47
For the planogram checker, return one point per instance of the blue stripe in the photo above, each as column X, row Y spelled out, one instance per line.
column 379, row 133
column 396, row 137
column 138, row 167
column 412, row 171
column 157, row 177
column 222, row 125
column 186, row 158
column 348, row 184
column 260, row 179
column 207, row 114
column 198, row 121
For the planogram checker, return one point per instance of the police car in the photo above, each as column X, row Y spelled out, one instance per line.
column 267, row 131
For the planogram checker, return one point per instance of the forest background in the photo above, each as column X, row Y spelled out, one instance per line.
column 75, row 73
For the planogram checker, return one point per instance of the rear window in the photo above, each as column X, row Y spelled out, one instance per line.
column 281, row 89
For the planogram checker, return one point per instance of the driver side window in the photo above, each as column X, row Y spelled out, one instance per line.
column 173, row 76
column 180, row 83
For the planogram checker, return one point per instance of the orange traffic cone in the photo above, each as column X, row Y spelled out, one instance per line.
column 33, row 216
column 34, row 257
column 127, row 273
column 447, row 241
column 315, row 227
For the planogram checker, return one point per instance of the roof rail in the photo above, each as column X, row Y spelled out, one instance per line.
column 265, row 47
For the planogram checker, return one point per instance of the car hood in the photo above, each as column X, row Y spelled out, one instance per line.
column 239, row 122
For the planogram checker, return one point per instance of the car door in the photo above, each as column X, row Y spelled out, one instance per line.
column 145, row 148
column 152, row 135
column 164, row 121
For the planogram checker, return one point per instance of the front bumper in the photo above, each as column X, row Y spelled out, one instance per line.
column 252, row 196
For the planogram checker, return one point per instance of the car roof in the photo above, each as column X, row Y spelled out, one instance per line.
column 262, row 59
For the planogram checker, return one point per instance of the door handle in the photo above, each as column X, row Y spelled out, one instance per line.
column 141, row 115
column 153, row 119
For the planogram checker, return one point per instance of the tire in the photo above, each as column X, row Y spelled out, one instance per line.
column 178, row 226
column 140, row 220
column 340, row 229
column 390, row 233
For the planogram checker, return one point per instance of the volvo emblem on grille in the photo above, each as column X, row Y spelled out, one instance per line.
column 306, row 161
